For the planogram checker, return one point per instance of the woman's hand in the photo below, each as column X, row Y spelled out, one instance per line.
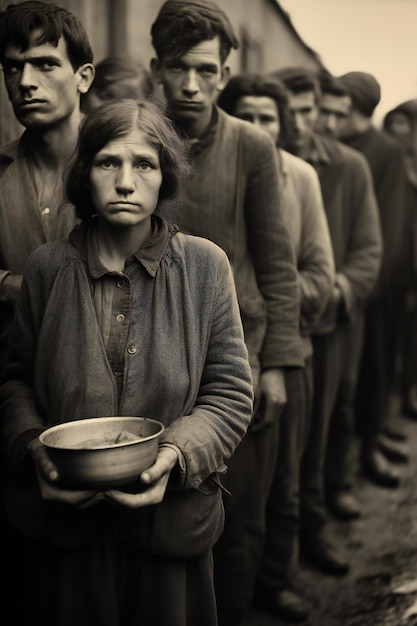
column 48, row 478
column 156, row 477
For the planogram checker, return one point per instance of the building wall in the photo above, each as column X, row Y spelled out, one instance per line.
column 264, row 36
column 122, row 27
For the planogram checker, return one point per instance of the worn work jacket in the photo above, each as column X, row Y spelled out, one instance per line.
column 190, row 368
column 24, row 224
column 354, row 225
column 306, row 217
column 234, row 200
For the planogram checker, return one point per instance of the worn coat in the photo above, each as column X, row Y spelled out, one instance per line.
column 354, row 225
column 190, row 369
column 305, row 214
column 24, row 224
column 385, row 159
column 234, row 200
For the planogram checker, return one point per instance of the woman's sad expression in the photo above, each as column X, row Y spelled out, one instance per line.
column 125, row 180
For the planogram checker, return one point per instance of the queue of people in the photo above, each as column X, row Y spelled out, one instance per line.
column 236, row 259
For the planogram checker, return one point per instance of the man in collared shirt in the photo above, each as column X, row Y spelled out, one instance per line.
column 44, row 82
column 353, row 221
column 233, row 198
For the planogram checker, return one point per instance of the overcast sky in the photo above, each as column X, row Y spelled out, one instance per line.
column 375, row 36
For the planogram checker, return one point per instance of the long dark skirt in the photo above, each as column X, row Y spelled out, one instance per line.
column 108, row 582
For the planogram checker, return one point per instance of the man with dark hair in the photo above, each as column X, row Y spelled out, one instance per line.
column 233, row 199
column 353, row 221
column 262, row 101
column 47, row 64
column 377, row 375
column 335, row 105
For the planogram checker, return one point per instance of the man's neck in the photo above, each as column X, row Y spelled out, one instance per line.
column 194, row 129
column 52, row 147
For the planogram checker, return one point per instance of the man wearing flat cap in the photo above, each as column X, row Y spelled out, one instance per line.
column 377, row 375
column 234, row 200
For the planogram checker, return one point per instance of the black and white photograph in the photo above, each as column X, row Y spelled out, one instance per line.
column 208, row 312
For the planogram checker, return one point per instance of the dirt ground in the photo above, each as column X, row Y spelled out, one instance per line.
column 381, row 586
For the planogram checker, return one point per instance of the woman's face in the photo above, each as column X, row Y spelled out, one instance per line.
column 261, row 111
column 125, row 179
column 400, row 125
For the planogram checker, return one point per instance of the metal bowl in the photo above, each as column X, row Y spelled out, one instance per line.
column 102, row 452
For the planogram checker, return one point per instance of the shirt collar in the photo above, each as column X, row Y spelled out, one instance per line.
column 149, row 255
column 198, row 144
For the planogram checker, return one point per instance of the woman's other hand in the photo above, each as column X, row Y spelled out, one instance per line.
column 156, row 477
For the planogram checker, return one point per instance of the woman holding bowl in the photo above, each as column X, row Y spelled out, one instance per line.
column 126, row 317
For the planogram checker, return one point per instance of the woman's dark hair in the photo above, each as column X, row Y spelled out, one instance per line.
column 255, row 85
column 112, row 120
column 18, row 21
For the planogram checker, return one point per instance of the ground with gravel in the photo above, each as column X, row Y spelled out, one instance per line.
column 381, row 586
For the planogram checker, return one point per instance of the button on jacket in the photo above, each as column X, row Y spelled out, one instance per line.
column 189, row 368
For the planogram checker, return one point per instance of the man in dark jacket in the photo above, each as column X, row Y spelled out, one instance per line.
column 233, row 198
column 352, row 215
column 377, row 374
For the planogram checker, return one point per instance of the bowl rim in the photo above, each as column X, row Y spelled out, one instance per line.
column 63, row 425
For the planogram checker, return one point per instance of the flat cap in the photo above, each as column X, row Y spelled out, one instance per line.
column 364, row 90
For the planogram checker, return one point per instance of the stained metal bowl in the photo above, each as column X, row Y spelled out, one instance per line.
column 102, row 452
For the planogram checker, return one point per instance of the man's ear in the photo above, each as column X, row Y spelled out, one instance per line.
column 225, row 75
column 156, row 70
column 85, row 75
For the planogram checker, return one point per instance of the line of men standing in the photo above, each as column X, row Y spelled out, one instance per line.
column 315, row 309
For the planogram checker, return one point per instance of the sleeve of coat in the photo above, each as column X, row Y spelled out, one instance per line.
column 273, row 254
column 316, row 269
column 21, row 420
column 359, row 274
column 208, row 436
column 390, row 193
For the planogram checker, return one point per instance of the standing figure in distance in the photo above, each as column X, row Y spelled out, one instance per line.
column 401, row 123
column 262, row 101
column 378, row 369
column 352, row 216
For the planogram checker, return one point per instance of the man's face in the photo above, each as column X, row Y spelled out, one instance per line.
column 303, row 114
column 192, row 82
column 42, row 85
column 260, row 111
column 334, row 113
